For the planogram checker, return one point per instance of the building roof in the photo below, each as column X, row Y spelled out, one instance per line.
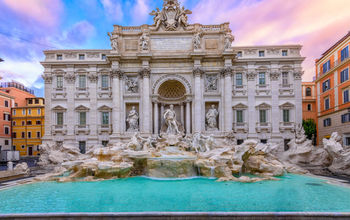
column 334, row 46
column 6, row 95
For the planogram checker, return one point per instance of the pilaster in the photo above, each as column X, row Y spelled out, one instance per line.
column 117, row 74
column 251, row 81
column 228, row 114
column 198, row 97
column 146, row 99
column 298, row 97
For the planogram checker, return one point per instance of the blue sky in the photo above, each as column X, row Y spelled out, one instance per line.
column 27, row 27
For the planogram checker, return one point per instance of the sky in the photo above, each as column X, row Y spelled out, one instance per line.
column 27, row 27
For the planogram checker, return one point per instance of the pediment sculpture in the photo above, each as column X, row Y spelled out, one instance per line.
column 172, row 16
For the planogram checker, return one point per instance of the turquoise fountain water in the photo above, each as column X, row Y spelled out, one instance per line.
column 293, row 193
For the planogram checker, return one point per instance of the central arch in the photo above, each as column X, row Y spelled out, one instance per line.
column 172, row 89
column 180, row 79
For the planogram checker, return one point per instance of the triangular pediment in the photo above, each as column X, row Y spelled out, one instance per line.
column 104, row 108
column 263, row 106
column 82, row 108
column 287, row 105
column 240, row 106
column 59, row 108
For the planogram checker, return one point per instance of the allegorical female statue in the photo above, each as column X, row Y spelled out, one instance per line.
column 133, row 119
column 170, row 121
column 211, row 117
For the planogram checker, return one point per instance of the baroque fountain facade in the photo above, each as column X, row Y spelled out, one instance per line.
column 174, row 99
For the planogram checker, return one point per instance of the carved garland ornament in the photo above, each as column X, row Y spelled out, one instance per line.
column 47, row 78
column 198, row 71
column 70, row 77
column 298, row 75
column 227, row 71
column 145, row 72
column 251, row 76
column 93, row 77
column 274, row 76
column 117, row 73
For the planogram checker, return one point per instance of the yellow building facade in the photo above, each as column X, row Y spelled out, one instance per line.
column 28, row 126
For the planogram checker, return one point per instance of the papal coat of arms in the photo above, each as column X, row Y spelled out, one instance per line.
column 172, row 16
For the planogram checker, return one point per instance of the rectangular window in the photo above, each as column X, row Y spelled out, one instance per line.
column 344, row 75
column 285, row 115
column 81, row 56
column 327, row 122
column 39, row 111
column 346, row 96
column 14, row 112
column 6, row 103
column 59, row 119
column 23, row 123
column 13, row 123
column 38, row 122
column 29, row 134
column 7, row 142
column 30, row 101
column 285, row 80
column 82, row 147
column 326, row 67
column 7, row 130
column 104, row 81
column 105, row 118
column 239, row 79
column 309, row 107
column 262, row 79
column 38, row 135
column 345, row 118
column 326, row 103
column 239, row 116
column 36, row 101
column 59, row 81
column 82, row 118
column 326, row 85
column 239, row 54
column 262, row 116
column 104, row 143
column 29, row 111
column 284, row 53
column 59, row 57
column 103, row 57
column 82, row 82
column 23, row 135
column 344, row 53
column 23, row 112
column 261, row 53
column 347, row 141
column 14, row 135
column 29, row 122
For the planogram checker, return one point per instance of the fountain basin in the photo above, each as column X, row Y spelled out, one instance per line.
column 293, row 193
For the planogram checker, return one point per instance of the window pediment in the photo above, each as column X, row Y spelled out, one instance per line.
column 105, row 108
column 287, row 105
column 82, row 108
column 263, row 106
column 59, row 108
column 240, row 106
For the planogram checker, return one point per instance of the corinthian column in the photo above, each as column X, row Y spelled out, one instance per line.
column 48, row 95
column 188, row 117
column 146, row 100
column 156, row 115
column 197, row 72
column 116, row 76
column 227, row 73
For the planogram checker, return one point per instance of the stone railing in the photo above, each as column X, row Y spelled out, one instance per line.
column 85, row 129
column 105, row 129
column 240, row 126
column 263, row 89
column 284, row 126
column 59, row 129
column 263, row 127
column 239, row 90
column 59, row 93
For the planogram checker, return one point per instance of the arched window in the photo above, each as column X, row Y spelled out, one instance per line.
column 308, row 91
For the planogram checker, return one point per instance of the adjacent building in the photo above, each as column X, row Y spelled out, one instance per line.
column 333, row 88
column 100, row 96
column 18, row 91
column 6, row 102
column 28, row 126
column 309, row 101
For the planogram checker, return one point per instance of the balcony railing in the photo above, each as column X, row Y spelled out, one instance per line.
column 240, row 126
column 287, row 126
column 105, row 129
column 333, row 65
column 239, row 90
column 263, row 127
column 59, row 129
column 85, row 129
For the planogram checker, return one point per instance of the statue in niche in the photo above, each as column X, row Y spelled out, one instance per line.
column 212, row 83
column 131, row 85
column 228, row 41
column 170, row 121
column 211, row 116
column 133, row 119
column 197, row 41
column 114, row 41
column 144, row 42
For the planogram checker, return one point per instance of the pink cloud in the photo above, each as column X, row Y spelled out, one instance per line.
column 43, row 11
column 316, row 24
column 142, row 10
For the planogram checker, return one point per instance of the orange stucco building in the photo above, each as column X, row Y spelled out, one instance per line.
column 18, row 91
column 6, row 103
column 333, row 91
column 309, row 101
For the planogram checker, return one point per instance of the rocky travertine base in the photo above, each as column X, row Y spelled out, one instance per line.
column 158, row 158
